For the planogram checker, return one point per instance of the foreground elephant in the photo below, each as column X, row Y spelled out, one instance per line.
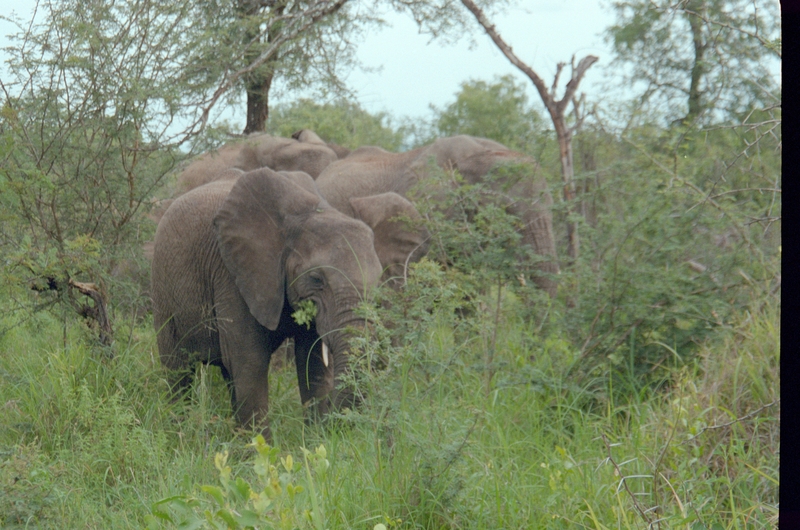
column 233, row 259
column 368, row 171
column 305, row 151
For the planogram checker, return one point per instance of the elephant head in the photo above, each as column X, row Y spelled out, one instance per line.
column 309, row 136
column 286, row 154
column 279, row 239
column 234, row 259
column 400, row 236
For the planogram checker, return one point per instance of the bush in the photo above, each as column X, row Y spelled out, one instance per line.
column 277, row 498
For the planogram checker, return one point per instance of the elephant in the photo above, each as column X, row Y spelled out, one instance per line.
column 400, row 235
column 233, row 259
column 370, row 170
column 305, row 151
column 309, row 136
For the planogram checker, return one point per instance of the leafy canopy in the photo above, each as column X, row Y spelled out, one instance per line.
column 498, row 110
column 712, row 59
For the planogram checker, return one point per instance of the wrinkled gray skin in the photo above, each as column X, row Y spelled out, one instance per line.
column 400, row 236
column 232, row 261
column 368, row 171
column 305, row 151
column 309, row 136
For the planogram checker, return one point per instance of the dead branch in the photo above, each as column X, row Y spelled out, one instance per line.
column 555, row 107
column 732, row 422
column 96, row 313
column 554, row 88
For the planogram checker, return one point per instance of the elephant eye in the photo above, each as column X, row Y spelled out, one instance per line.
column 315, row 279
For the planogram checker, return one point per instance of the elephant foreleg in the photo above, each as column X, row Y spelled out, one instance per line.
column 246, row 351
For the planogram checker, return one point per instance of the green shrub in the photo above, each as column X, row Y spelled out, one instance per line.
column 283, row 494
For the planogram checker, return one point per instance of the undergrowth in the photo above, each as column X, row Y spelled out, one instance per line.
column 89, row 440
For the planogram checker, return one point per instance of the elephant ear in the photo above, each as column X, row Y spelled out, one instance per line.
column 251, row 225
column 387, row 214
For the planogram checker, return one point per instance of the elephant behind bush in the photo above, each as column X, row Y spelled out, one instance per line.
column 370, row 171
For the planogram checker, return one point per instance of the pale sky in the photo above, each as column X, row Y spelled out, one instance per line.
column 417, row 72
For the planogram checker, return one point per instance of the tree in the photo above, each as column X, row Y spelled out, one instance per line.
column 699, row 59
column 85, row 128
column 499, row 111
column 555, row 107
column 314, row 54
column 99, row 98
column 250, row 43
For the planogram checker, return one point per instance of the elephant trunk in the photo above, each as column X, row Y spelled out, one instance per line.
column 334, row 350
column 343, row 395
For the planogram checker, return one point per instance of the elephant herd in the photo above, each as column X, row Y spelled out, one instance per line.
column 260, row 227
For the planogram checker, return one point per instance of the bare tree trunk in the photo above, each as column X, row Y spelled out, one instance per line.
column 258, row 82
column 568, row 171
column 258, row 102
column 698, row 69
column 556, row 108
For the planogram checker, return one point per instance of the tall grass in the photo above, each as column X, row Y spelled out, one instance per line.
column 92, row 441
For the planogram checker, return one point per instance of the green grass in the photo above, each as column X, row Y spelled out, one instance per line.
column 93, row 441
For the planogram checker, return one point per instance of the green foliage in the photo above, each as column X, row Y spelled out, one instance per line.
column 699, row 59
column 677, row 229
column 343, row 122
column 470, row 225
column 499, row 111
column 85, row 136
column 275, row 500
column 92, row 442
column 305, row 313
column 26, row 485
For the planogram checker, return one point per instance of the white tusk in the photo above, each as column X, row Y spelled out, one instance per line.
column 325, row 354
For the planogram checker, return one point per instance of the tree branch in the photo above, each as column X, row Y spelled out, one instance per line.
column 559, row 68
column 506, row 49
column 577, row 75
column 312, row 15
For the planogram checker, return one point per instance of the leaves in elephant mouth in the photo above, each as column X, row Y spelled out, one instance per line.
column 305, row 313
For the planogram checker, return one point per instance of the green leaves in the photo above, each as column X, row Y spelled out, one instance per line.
column 305, row 313
column 274, row 499
column 499, row 111
column 342, row 122
column 699, row 60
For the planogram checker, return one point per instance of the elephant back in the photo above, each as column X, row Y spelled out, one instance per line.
column 285, row 154
column 368, row 170
column 206, row 167
column 472, row 156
